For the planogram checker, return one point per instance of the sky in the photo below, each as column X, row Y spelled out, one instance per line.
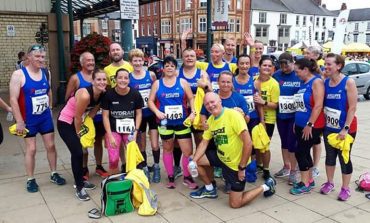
column 351, row 4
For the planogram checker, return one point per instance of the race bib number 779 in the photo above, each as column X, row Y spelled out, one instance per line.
column 40, row 104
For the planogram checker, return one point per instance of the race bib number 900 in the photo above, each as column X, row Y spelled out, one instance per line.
column 40, row 104
column 173, row 112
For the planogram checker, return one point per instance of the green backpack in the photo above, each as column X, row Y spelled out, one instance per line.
column 116, row 195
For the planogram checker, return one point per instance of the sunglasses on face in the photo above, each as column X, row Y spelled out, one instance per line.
column 36, row 47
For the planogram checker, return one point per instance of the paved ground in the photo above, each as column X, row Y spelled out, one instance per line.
column 59, row 204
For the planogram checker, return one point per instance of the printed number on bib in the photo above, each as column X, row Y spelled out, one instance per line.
column 250, row 103
column 215, row 86
column 40, row 104
column 332, row 117
column 145, row 95
column 299, row 103
column 125, row 125
column 286, row 104
column 173, row 111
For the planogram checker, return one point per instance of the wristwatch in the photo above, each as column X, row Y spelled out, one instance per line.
column 346, row 127
column 241, row 168
column 309, row 124
column 266, row 103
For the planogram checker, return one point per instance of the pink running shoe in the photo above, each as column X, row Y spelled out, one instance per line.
column 344, row 194
column 171, row 182
column 189, row 182
column 326, row 188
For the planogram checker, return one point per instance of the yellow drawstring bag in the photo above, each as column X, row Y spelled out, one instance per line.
column 343, row 145
column 87, row 133
column 13, row 131
column 133, row 156
column 198, row 103
column 260, row 139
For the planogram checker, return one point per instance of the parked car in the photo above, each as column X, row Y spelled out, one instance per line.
column 360, row 73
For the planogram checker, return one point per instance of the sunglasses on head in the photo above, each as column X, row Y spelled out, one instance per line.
column 36, row 47
column 285, row 61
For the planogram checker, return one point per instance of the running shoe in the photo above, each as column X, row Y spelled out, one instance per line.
column 344, row 194
column 326, row 188
column 57, row 179
column 32, row 186
column 86, row 174
column 266, row 174
column 146, row 172
column 171, row 182
column 217, row 172
column 82, row 194
column 204, row 193
column 282, row 173
column 189, row 182
column 100, row 171
column 299, row 189
column 292, row 178
column 259, row 168
column 271, row 183
column 88, row 185
column 156, row 173
column 315, row 172
column 312, row 184
column 177, row 171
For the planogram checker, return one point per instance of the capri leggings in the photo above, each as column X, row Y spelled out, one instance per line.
column 332, row 153
column 303, row 154
column 114, row 152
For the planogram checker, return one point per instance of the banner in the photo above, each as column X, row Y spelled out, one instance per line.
column 221, row 13
column 340, row 29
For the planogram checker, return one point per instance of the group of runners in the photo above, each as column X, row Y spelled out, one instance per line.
column 125, row 100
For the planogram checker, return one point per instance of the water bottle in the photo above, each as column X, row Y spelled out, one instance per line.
column 9, row 117
column 193, row 169
column 163, row 124
column 131, row 136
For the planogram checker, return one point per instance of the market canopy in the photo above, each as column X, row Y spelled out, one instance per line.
column 356, row 48
column 327, row 46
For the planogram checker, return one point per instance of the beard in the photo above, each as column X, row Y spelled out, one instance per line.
column 117, row 58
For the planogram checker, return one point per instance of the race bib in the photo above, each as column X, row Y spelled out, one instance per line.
column 173, row 111
column 215, row 86
column 40, row 104
column 125, row 125
column 286, row 104
column 299, row 103
column 332, row 117
column 145, row 95
column 250, row 103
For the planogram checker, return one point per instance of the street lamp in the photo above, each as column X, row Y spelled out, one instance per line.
column 42, row 36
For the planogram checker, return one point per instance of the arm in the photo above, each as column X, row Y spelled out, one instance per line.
column 16, row 82
column 5, row 106
column 190, row 97
column 50, row 94
column 199, row 152
column 151, row 101
column 152, row 76
column 82, row 101
column 71, row 86
column 204, row 82
column 352, row 104
column 106, row 123
column 138, row 119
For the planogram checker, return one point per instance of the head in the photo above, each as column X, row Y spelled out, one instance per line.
column 286, row 62
column 334, row 64
column 169, row 66
column 305, row 68
column 122, row 78
column 136, row 57
column 313, row 52
column 21, row 56
column 212, row 102
column 116, row 52
column 36, row 56
column 266, row 66
column 87, row 62
column 244, row 63
column 167, row 52
column 189, row 57
column 225, row 82
column 230, row 46
column 217, row 52
column 99, row 79
column 258, row 47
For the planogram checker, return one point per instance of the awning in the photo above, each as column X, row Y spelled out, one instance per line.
column 356, row 48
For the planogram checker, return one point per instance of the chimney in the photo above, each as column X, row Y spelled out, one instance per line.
column 324, row 6
column 343, row 7
column 318, row 2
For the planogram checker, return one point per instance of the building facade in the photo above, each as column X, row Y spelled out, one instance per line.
column 358, row 26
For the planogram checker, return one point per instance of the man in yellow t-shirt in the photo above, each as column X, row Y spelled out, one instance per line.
column 116, row 55
column 229, row 131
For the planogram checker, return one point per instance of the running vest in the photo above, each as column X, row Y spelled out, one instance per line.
column 172, row 102
column 143, row 85
column 233, row 60
column 304, row 103
column 336, row 107
column 192, row 81
column 33, row 98
column 82, row 81
column 253, row 71
column 247, row 90
column 214, row 72
column 289, row 85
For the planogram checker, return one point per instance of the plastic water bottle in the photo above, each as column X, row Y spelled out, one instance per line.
column 9, row 117
column 131, row 136
column 193, row 169
column 163, row 124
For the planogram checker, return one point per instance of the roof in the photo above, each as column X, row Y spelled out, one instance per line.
column 359, row 15
column 268, row 5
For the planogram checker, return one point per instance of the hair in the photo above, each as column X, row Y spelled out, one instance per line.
column 316, row 50
column 82, row 56
column 120, row 70
column 219, row 45
column 266, row 58
column 115, row 43
column 243, row 55
column 135, row 53
column 338, row 59
column 309, row 63
column 97, row 71
column 21, row 54
column 170, row 59
column 229, row 38
column 188, row 49
column 225, row 72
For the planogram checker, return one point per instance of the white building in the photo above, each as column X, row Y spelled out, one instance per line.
column 358, row 26
column 280, row 24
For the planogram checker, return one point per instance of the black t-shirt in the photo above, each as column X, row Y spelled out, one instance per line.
column 122, row 109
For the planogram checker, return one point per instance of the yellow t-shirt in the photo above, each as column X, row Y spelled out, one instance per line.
column 204, row 66
column 270, row 92
column 225, row 129
column 111, row 70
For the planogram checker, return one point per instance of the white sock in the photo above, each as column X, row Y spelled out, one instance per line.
column 209, row 187
column 52, row 173
column 265, row 187
column 30, row 178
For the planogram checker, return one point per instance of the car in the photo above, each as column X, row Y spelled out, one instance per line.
column 360, row 73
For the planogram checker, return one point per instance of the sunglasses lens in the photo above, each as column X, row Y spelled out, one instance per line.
column 36, row 47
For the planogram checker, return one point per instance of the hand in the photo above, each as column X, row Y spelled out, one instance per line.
column 185, row 34
column 192, row 116
column 20, row 128
column 248, row 39
column 239, row 110
column 258, row 99
column 160, row 115
column 241, row 175
column 264, row 124
column 9, row 109
column 342, row 134
column 112, row 141
column 307, row 133
column 205, row 125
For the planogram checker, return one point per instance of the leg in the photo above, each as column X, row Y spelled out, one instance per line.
column 49, row 144
column 239, row 199
column 98, row 149
column 30, row 156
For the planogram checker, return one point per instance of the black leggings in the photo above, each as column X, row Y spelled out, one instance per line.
column 1, row 134
column 68, row 133
column 332, row 153
column 303, row 154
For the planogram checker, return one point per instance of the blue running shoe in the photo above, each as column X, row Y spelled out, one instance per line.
column 300, row 188
column 57, row 179
column 271, row 183
column 204, row 193
column 156, row 173
column 32, row 186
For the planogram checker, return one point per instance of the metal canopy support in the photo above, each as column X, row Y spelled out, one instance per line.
column 71, row 30
column 209, row 29
column 62, row 79
column 126, row 36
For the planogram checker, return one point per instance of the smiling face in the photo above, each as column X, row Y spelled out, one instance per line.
column 36, row 58
column 122, row 79
column 212, row 102
column 266, row 67
column 189, row 58
column 230, row 46
column 169, row 69
column 244, row 63
column 88, row 62
column 137, row 63
column 331, row 67
column 225, row 82
column 258, row 49
column 100, row 80
column 116, row 52
column 217, row 53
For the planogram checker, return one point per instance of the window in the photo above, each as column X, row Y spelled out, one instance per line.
column 262, row 17
column 142, row 30
column 323, row 37
column 261, row 31
column 202, row 24
column 185, row 24
column 166, row 26
column 317, row 21
column 149, row 33
column 368, row 38
column 349, row 69
column 323, row 22
column 155, row 32
column 231, row 25
column 316, row 35
column 203, row 3
column 148, row 10
column 334, row 22
column 368, row 26
column 304, row 35
column 238, row 4
column 178, row 26
column 284, row 32
column 187, row 4
column 168, row 5
column 355, row 38
column 155, row 8
column 296, row 36
column 177, row 5
column 86, row 29
column 304, row 21
column 237, row 26
column 297, row 20
column 363, row 68
column 142, row 11
column 356, row 26
column 282, row 18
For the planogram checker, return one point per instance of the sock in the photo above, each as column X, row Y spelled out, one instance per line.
column 168, row 162
column 214, row 183
column 209, row 187
column 310, row 180
column 52, row 173
column 265, row 187
column 156, row 155
column 144, row 155
column 177, row 155
column 30, row 178
column 185, row 163
column 123, row 168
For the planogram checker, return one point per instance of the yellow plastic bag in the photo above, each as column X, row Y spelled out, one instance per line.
column 13, row 131
column 87, row 133
column 133, row 156
column 343, row 145
column 260, row 139
column 198, row 103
